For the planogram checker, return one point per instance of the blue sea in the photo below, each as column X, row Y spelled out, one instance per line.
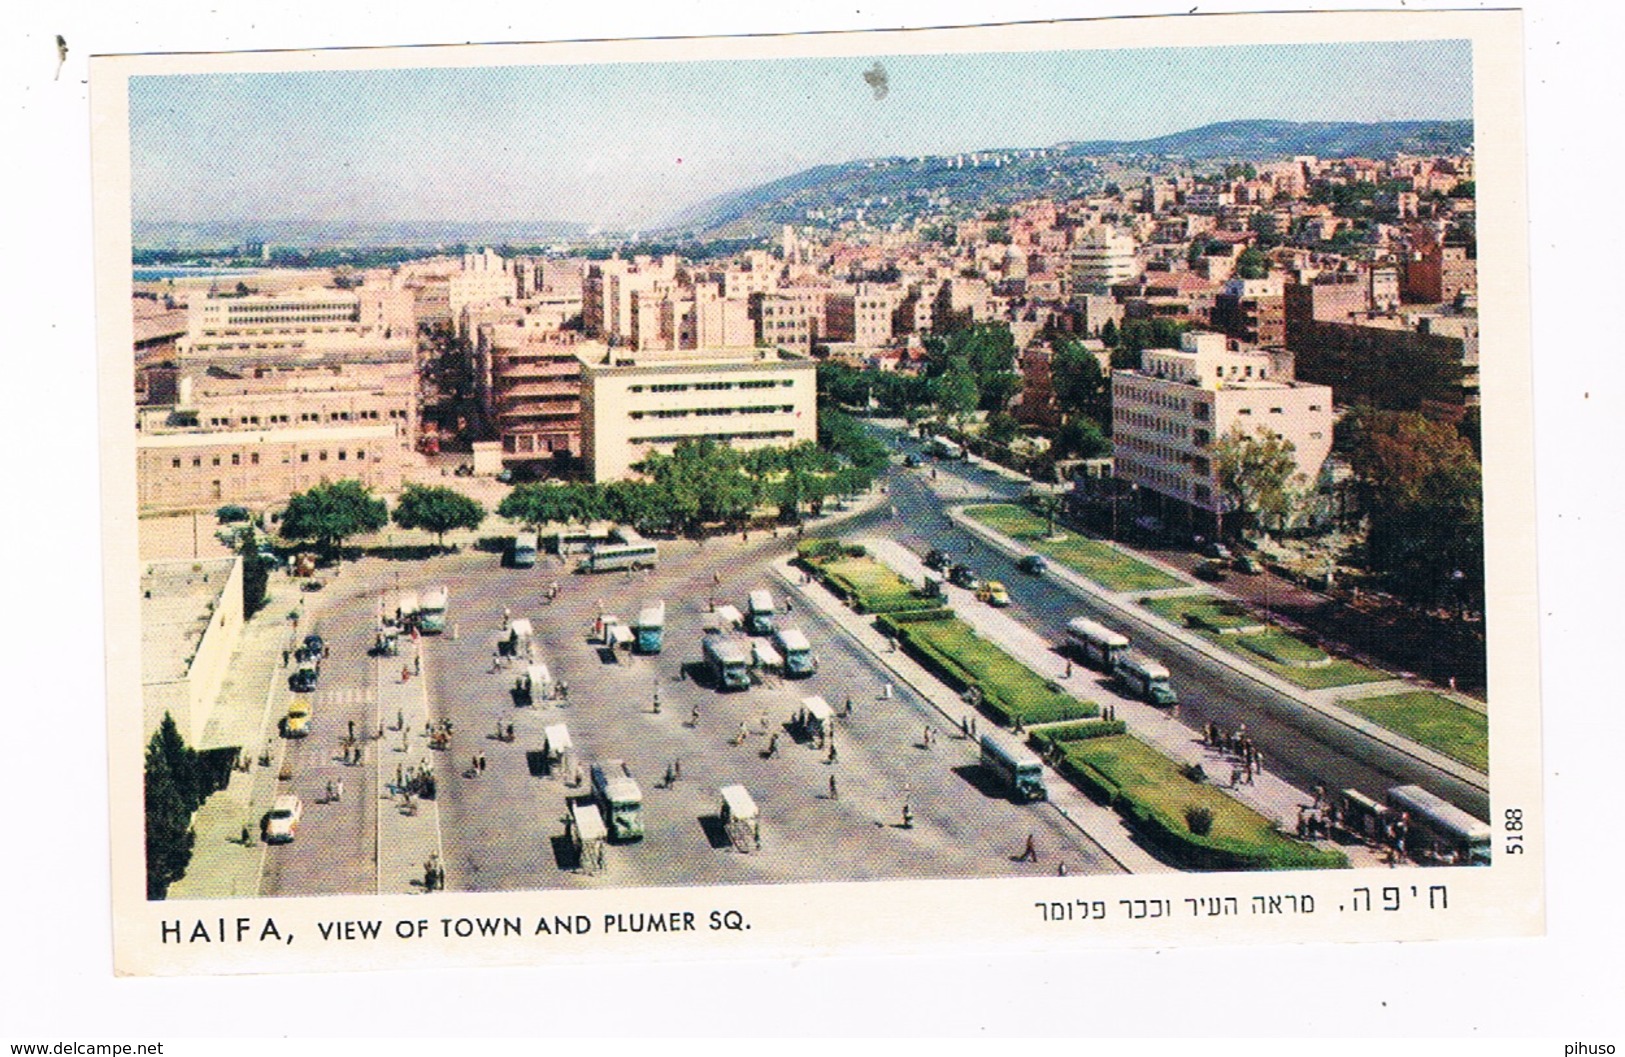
column 156, row 273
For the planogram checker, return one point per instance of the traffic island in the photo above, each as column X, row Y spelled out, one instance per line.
column 1193, row 823
column 1092, row 559
column 1430, row 719
column 868, row 585
column 1229, row 625
column 955, row 653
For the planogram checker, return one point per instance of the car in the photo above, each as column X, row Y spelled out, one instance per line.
column 937, row 560
column 1211, row 570
column 993, row 593
column 283, row 819
column 912, row 461
column 1032, row 563
column 297, row 725
column 313, row 645
column 1246, row 563
column 1215, row 549
column 303, row 680
column 964, row 576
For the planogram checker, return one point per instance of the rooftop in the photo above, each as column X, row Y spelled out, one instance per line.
column 178, row 598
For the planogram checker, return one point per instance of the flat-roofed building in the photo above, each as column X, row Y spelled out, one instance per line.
column 1167, row 416
column 633, row 406
column 191, row 618
column 530, row 386
column 1102, row 257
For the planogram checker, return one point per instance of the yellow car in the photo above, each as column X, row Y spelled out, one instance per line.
column 993, row 593
column 297, row 725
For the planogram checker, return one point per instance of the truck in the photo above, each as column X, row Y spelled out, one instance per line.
column 796, row 651
column 759, row 612
column 650, row 628
column 432, row 610
column 619, row 799
column 728, row 661
column 1144, row 678
column 1017, row 770
column 524, row 550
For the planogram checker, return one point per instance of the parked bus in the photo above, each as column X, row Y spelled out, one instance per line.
column 759, row 612
column 432, row 610
column 1145, row 678
column 796, row 651
column 650, row 628
column 1017, row 769
column 524, row 550
column 728, row 661
column 1095, row 643
column 1439, row 830
column 625, row 549
column 619, row 799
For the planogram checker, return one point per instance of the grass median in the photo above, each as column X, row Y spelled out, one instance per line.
column 1272, row 649
column 869, row 585
column 1155, row 794
column 1430, row 719
column 1104, row 564
column 1008, row 687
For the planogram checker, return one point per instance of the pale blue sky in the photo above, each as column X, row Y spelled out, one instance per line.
column 631, row 144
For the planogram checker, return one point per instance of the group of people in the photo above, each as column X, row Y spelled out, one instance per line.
column 414, row 781
column 1237, row 744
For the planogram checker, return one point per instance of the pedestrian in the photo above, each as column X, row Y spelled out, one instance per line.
column 1235, row 777
column 417, row 664
column 964, row 726
column 1030, row 852
column 339, row 788
column 739, row 739
column 847, row 711
column 790, row 607
column 330, row 791
column 657, row 700
column 1068, row 670
column 834, row 793
column 506, row 618
column 908, row 815
column 773, row 746
column 482, row 763
column 677, row 767
column 694, row 716
column 474, row 765
column 1060, row 868
column 284, row 658
column 510, row 731
column 1452, row 684
column 830, row 758
column 716, row 578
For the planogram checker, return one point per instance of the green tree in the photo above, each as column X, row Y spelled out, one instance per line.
column 256, row 574
column 1081, row 387
column 1081, row 438
column 172, row 792
column 438, row 510
column 954, row 391
column 999, row 236
column 1256, row 472
column 1252, row 264
column 329, row 514
column 1001, row 427
column 1108, row 334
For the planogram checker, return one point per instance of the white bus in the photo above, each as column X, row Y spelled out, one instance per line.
column 432, row 610
column 1439, row 830
column 524, row 550
column 626, row 549
column 1095, row 643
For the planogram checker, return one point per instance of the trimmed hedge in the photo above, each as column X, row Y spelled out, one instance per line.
column 1032, row 703
column 1098, row 728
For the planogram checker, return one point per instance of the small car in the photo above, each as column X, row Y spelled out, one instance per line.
column 1246, row 563
column 937, row 560
column 913, row 461
column 313, row 645
column 1215, row 549
column 993, row 593
column 1033, row 563
column 283, row 819
column 303, row 680
column 297, row 725
column 1212, row 569
column 964, row 576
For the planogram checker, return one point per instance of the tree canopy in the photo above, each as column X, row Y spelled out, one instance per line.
column 1258, row 472
column 1081, row 387
column 173, row 790
column 438, row 510
column 329, row 514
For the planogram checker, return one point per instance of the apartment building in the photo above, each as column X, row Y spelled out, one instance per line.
column 1167, row 416
column 1102, row 257
column 1252, row 311
column 529, row 379
column 631, row 407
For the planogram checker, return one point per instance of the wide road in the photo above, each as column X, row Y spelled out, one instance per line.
column 1302, row 746
column 503, row 827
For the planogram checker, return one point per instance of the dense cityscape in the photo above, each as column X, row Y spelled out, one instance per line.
column 1118, row 517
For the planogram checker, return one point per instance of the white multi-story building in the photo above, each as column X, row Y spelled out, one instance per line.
column 1167, row 416
column 631, row 407
column 1101, row 258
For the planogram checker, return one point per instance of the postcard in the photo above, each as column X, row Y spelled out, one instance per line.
column 1031, row 486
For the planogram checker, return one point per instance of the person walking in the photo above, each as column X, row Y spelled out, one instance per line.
column 1030, row 852
column 834, row 792
column 338, row 789
column 694, row 716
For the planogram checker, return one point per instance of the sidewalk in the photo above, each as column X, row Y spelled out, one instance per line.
column 1323, row 701
column 406, row 837
column 1269, row 795
column 1102, row 824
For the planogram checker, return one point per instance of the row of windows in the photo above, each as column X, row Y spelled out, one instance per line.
column 683, row 387
column 304, row 416
column 725, row 438
column 236, row 458
column 705, row 412
column 1146, row 420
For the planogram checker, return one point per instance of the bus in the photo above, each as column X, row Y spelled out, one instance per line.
column 1095, row 643
column 759, row 612
column 728, row 662
column 1145, row 678
column 619, row 799
column 432, row 610
column 1439, row 830
column 796, row 651
column 625, row 549
column 524, row 550
column 1017, row 769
